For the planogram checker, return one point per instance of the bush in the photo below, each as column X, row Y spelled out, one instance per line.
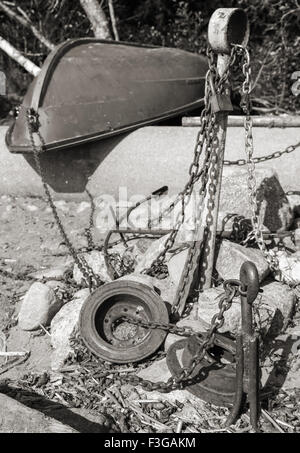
column 274, row 43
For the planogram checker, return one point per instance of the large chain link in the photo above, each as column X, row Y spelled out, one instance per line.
column 91, row 279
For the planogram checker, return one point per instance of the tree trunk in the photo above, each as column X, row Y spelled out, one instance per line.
column 97, row 18
column 13, row 53
column 26, row 23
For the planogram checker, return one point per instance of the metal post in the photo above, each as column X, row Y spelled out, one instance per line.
column 227, row 26
column 250, row 288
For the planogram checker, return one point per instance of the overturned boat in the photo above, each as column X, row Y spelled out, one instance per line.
column 89, row 89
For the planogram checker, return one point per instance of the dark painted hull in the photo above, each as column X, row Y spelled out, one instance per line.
column 90, row 89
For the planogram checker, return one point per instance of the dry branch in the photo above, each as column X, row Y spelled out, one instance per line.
column 23, row 20
column 13, row 53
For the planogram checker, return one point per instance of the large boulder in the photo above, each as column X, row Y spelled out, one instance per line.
column 289, row 265
column 63, row 327
column 164, row 287
column 274, row 209
column 38, row 307
column 231, row 256
column 272, row 308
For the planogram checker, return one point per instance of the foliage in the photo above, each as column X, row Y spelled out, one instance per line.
column 274, row 40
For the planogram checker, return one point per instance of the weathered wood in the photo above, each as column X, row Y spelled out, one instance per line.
column 17, row 418
column 258, row 121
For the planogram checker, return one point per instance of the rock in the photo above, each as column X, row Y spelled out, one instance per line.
column 274, row 209
column 289, row 266
column 83, row 206
column 151, row 254
column 198, row 325
column 231, row 256
column 32, row 208
column 62, row 327
column 140, row 247
column 53, row 244
column 176, row 264
column 294, row 201
column 55, row 272
column 62, row 205
column 274, row 307
column 96, row 261
column 106, row 214
column 164, row 287
column 18, row 418
column 271, row 309
column 38, row 307
column 56, row 284
column 296, row 224
column 297, row 238
column 288, row 243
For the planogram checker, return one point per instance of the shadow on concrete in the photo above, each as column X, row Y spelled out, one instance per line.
column 69, row 170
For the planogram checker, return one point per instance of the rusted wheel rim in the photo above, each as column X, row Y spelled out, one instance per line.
column 105, row 331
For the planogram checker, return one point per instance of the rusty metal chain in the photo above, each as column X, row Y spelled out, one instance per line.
column 91, row 279
column 206, row 136
column 252, row 188
column 257, row 160
column 88, row 230
column 231, row 289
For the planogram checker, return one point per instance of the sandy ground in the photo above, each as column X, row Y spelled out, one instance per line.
column 30, row 241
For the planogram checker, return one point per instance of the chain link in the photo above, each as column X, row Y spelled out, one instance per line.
column 257, row 160
column 252, row 187
column 88, row 230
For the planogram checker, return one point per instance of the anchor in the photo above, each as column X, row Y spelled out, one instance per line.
column 226, row 370
column 231, row 369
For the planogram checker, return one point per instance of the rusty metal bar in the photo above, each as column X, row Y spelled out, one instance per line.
column 258, row 121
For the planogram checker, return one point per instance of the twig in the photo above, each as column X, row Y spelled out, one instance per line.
column 12, row 354
column 145, row 418
column 45, row 330
column 179, row 426
column 271, row 420
column 9, row 366
column 287, row 425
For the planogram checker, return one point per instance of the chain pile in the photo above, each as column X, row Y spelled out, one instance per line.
column 206, row 140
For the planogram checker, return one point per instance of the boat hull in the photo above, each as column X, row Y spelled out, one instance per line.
column 89, row 89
